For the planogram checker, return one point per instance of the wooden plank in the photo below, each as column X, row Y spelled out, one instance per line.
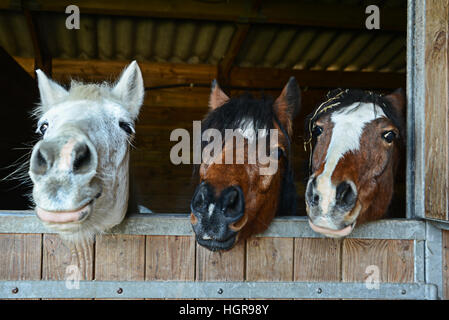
column 120, row 258
column 393, row 258
column 437, row 110
column 227, row 62
column 42, row 57
column 277, row 78
column 170, row 258
column 20, row 256
column 161, row 74
column 269, row 259
column 66, row 261
column 276, row 12
column 317, row 260
column 221, row 266
column 446, row 264
column 61, row 259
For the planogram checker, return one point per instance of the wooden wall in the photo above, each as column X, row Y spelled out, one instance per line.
column 437, row 110
column 138, row 258
column 162, row 186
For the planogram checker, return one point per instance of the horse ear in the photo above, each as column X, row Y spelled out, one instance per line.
column 397, row 100
column 50, row 91
column 130, row 89
column 217, row 96
column 287, row 105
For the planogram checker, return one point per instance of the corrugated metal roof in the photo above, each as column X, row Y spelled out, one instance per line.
column 193, row 42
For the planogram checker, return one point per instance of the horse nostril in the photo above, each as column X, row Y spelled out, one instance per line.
column 316, row 200
column 201, row 199
column 233, row 203
column 313, row 199
column 83, row 159
column 345, row 195
column 41, row 160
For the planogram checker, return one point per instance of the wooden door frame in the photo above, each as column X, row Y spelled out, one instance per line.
column 416, row 112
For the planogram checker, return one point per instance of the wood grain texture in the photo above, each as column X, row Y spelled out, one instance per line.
column 393, row 258
column 221, row 266
column 269, row 259
column 437, row 110
column 120, row 258
column 317, row 260
column 20, row 256
column 170, row 258
column 446, row 264
column 62, row 259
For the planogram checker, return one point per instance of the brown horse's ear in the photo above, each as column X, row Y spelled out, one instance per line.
column 217, row 96
column 397, row 100
column 287, row 105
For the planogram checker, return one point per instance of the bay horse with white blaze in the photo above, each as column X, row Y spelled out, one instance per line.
column 357, row 137
column 234, row 200
column 80, row 167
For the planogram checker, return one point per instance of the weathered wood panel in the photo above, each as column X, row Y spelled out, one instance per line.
column 437, row 110
column 220, row 266
column 61, row 259
column 446, row 264
column 170, row 258
column 269, row 259
column 20, row 256
column 317, row 260
column 120, row 257
column 392, row 258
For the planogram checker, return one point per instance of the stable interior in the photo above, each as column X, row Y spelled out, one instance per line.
column 253, row 48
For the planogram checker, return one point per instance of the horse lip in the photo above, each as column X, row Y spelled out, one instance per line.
column 77, row 215
column 333, row 233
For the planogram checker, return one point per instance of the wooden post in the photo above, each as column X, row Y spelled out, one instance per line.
column 437, row 110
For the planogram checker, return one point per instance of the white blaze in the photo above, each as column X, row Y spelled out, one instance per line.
column 348, row 125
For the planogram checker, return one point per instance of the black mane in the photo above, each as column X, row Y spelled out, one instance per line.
column 232, row 115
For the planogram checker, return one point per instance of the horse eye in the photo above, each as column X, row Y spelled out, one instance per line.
column 389, row 136
column 317, row 130
column 127, row 127
column 43, row 128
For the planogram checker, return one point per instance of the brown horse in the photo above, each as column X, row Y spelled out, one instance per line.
column 234, row 200
column 357, row 137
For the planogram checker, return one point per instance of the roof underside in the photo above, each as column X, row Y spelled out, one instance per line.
column 114, row 37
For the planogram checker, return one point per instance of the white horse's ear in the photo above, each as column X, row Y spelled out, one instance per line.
column 130, row 90
column 51, row 92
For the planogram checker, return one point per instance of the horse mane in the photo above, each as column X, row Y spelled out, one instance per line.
column 236, row 113
column 338, row 99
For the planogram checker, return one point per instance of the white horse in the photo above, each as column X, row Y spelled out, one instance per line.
column 80, row 167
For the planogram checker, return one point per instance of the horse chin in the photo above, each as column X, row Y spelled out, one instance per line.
column 218, row 245
column 331, row 233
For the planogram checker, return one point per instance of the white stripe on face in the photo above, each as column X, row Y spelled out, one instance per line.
column 348, row 128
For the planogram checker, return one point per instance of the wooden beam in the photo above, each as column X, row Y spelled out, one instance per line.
column 277, row 78
column 161, row 74
column 42, row 58
column 436, row 143
column 227, row 63
column 273, row 11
